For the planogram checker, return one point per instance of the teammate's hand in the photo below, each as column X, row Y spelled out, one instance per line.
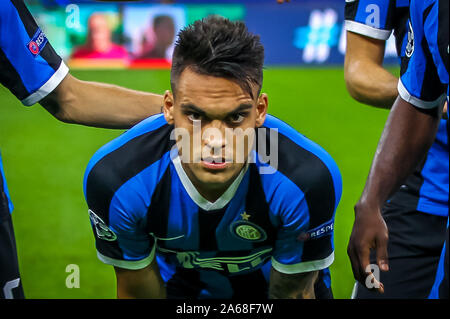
column 369, row 232
column 444, row 111
column 283, row 1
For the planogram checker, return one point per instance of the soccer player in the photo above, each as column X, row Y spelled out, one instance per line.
column 182, row 208
column 33, row 72
column 416, row 214
column 407, row 136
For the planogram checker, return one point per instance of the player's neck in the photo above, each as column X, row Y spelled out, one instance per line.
column 211, row 192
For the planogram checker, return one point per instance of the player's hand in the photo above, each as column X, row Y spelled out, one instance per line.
column 444, row 111
column 283, row 1
column 369, row 232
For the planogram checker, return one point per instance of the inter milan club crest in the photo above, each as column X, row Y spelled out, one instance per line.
column 244, row 229
column 410, row 46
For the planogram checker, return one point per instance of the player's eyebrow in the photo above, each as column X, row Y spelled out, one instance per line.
column 240, row 108
column 192, row 107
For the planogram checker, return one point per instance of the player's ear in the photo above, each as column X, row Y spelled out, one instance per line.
column 168, row 106
column 261, row 109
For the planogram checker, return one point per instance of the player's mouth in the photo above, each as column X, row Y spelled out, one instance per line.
column 214, row 163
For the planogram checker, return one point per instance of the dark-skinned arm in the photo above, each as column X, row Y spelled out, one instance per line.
column 407, row 136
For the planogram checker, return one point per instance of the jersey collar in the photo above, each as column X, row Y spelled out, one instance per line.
column 202, row 202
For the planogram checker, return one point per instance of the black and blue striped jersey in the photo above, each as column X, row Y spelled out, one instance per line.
column 143, row 206
column 378, row 19
column 425, row 81
column 427, row 189
column 425, row 85
column 4, row 187
column 29, row 66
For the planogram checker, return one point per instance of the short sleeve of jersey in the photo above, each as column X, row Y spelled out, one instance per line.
column 371, row 18
column 119, row 183
column 118, row 215
column 423, row 84
column 305, row 243
column 29, row 66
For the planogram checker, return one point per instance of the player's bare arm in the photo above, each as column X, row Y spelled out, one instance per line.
column 144, row 283
column 99, row 104
column 366, row 79
column 395, row 158
column 292, row 286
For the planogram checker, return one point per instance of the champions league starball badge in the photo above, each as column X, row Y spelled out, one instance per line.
column 410, row 45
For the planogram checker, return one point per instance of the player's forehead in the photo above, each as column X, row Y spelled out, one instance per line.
column 212, row 94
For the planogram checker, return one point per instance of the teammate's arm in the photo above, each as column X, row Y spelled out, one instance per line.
column 408, row 134
column 32, row 70
column 144, row 283
column 100, row 105
column 366, row 79
column 292, row 286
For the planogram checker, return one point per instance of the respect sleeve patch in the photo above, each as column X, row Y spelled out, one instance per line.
column 325, row 229
column 37, row 42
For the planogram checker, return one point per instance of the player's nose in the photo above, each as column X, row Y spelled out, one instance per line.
column 214, row 140
column 214, row 135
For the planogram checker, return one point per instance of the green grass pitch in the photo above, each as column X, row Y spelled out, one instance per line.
column 45, row 160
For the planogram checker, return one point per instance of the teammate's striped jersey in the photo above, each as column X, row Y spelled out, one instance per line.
column 29, row 67
column 142, row 204
column 4, row 187
column 425, row 84
column 427, row 189
column 378, row 19
column 425, row 81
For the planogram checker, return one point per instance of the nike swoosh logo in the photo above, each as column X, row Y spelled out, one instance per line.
column 166, row 239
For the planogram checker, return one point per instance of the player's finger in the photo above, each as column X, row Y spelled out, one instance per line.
column 374, row 283
column 364, row 261
column 382, row 254
column 364, row 275
column 354, row 261
column 370, row 280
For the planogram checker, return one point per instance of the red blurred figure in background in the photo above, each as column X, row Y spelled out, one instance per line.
column 99, row 44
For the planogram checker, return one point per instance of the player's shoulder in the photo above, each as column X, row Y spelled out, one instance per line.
column 304, row 164
column 128, row 155
column 294, row 148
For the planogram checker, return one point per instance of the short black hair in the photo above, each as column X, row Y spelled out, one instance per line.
column 219, row 47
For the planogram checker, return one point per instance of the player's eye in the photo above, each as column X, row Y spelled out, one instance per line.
column 194, row 116
column 237, row 118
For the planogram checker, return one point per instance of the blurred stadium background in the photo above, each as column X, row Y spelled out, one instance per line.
column 45, row 160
